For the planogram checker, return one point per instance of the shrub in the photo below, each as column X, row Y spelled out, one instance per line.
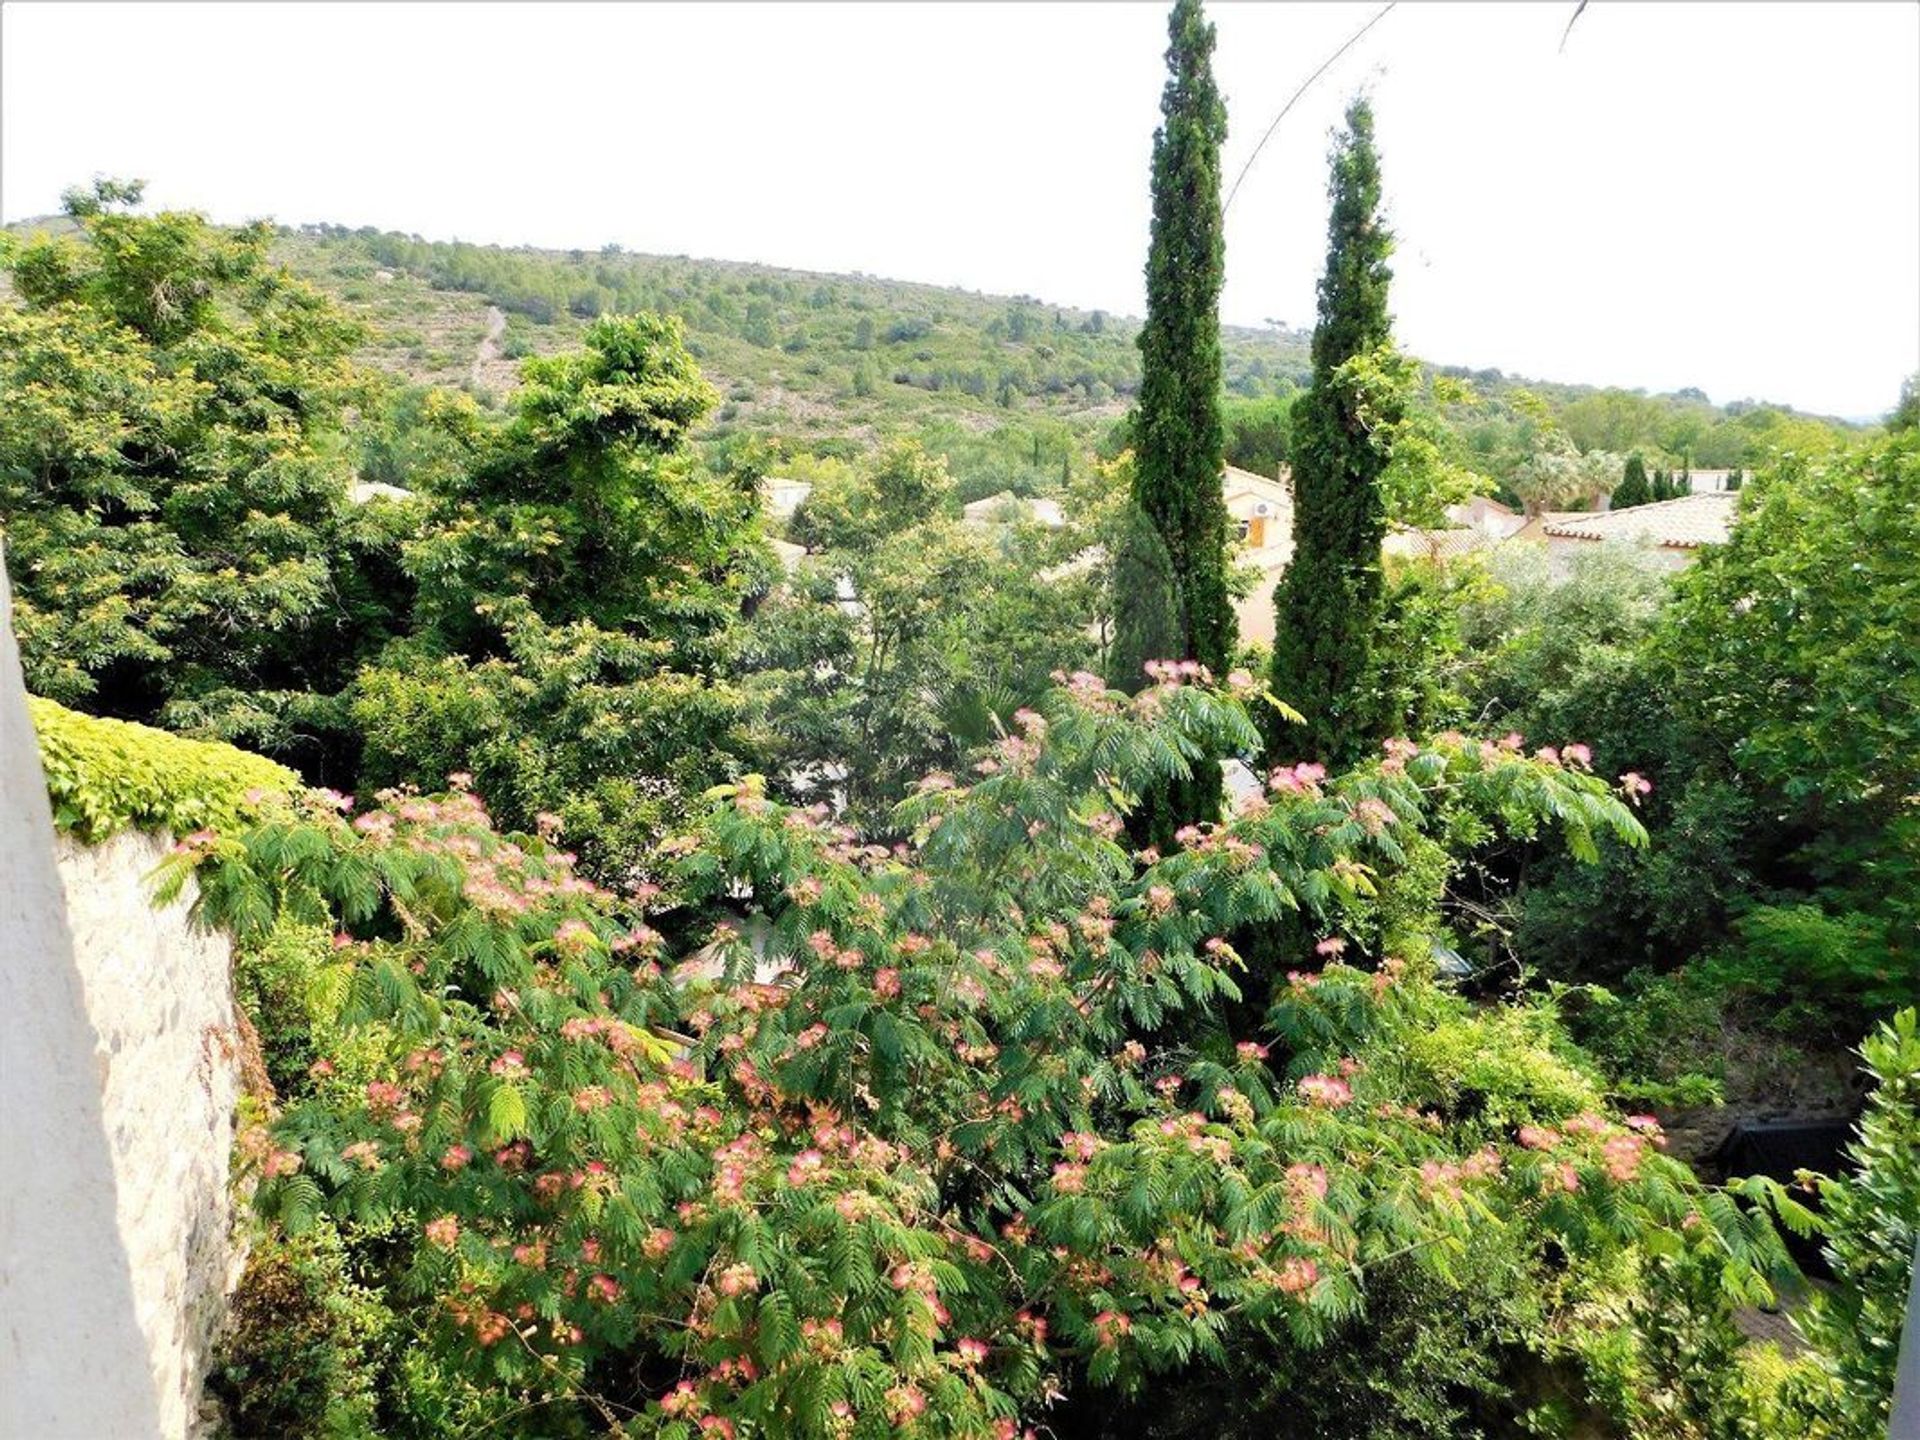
column 987, row 1139
column 108, row 775
column 297, row 1360
column 1871, row 1220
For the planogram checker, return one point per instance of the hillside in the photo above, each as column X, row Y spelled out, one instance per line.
column 791, row 349
column 1008, row 387
column 825, row 365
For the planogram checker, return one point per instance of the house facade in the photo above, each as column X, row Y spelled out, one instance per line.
column 1260, row 512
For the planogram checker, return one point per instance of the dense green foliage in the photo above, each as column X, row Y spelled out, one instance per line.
column 1259, row 433
column 1871, row 1223
column 108, row 775
column 956, row 627
column 1173, row 601
column 575, row 583
column 1327, row 607
column 983, row 1151
column 1764, row 699
column 1771, row 709
column 296, row 1356
column 173, row 482
column 546, row 604
column 884, row 1054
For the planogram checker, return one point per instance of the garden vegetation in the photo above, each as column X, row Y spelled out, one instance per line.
column 714, row 990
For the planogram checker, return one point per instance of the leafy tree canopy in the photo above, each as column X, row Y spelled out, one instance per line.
column 174, row 476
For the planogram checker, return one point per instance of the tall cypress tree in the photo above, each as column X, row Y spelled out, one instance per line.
column 1633, row 488
column 1172, row 600
column 1178, row 436
column 1328, row 606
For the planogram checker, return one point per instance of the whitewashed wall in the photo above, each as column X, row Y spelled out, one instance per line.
column 118, row 1076
column 73, row 1362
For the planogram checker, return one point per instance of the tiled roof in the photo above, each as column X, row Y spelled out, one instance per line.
column 1537, row 526
column 1444, row 544
column 1685, row 523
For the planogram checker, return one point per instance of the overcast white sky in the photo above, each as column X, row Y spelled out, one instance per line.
column 1720, row 195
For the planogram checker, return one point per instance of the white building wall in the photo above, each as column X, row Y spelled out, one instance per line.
column 119, row 1074
column 73, row 1360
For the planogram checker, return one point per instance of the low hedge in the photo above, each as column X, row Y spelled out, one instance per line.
column 108, row 775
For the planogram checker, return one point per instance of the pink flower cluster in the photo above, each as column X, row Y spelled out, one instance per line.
column 1301, row 779
column 1176, row 672
column 1375, row 817
column 737, row 1279
column 1109, row 1327
column 1622, row 1150
column 1087, row 690
column 1297, row 1275
column 905, row 1403
column 1325, row 1090
column 1446, row 1179
column 1399, row 751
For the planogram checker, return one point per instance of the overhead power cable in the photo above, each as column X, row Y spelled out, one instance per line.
column 1326, row 65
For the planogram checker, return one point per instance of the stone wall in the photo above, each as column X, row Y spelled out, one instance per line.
column 159, row 995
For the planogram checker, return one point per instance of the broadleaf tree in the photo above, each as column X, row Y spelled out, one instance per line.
column 174, row 481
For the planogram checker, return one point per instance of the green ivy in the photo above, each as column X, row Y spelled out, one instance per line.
column 106, row 775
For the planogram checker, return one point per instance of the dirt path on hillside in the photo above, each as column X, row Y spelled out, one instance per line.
column 489, row 344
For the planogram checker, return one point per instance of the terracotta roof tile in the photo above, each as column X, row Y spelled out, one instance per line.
column 1685, row 523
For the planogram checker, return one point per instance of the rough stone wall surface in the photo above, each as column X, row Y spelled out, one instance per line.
column 160, row 995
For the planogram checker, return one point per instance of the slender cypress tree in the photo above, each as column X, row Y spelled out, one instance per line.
column 1171, row 595
column 1633, row 488
column 1328, row 606
column 1662, row 485
column 1180, row 608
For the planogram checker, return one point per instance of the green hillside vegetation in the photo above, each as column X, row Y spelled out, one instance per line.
column 1015, row 392
column 830, row 365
